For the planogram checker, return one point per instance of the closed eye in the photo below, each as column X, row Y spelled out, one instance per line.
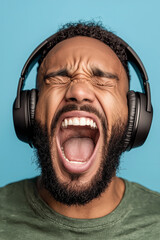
column 104, row 79
column 62, row 72
column 59, row 77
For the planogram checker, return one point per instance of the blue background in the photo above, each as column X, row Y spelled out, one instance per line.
column 24, row 24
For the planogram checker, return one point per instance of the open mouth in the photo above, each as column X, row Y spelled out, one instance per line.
column 77, row 140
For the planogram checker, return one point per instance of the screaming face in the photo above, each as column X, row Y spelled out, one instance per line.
column 81, row 118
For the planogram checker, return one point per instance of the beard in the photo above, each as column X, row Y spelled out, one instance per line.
column 70, row 193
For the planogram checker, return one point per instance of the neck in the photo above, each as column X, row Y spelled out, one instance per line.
column 98, row 207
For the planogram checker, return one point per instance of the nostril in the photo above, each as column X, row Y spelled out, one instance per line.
column 76, row 100
column 72, row 99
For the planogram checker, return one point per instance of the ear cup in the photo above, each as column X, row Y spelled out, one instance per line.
column 139, row 120
column 23, row 117
column 131, row 118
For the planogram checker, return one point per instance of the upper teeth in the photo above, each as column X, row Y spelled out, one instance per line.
column 75, row 121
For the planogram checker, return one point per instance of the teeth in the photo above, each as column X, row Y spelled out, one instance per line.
column 92, row 123
column 76, row 162
column 82, row 121
column 75, row 121
column 65, row 122
column 88, row 122
column 70, row 122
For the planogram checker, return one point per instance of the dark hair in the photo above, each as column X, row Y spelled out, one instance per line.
column 89, row 29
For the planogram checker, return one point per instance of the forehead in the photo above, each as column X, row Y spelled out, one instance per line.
column 85, row 50
column 80, row 42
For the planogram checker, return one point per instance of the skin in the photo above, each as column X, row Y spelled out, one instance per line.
column 108, row 94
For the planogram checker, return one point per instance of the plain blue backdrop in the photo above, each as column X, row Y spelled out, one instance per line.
column 24, row 24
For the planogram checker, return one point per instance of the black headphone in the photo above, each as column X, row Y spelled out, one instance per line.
column 140, row 110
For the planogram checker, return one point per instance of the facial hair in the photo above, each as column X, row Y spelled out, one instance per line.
column 69, row 193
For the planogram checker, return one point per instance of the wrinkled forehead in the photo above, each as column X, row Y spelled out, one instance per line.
column 84, row 49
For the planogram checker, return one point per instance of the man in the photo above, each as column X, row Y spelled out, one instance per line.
column 80, row 126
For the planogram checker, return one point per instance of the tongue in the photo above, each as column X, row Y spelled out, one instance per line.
column 78, row 149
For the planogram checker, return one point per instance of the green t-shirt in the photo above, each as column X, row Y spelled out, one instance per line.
column 24, row 215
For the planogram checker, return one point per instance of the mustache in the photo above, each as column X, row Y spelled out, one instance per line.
column 74, row 107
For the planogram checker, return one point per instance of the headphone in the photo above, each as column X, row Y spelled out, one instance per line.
column 140, row 110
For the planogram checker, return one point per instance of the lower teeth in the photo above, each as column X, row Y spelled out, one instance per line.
column 68, row 159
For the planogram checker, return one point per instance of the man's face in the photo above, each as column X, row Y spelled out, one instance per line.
column 82, row 105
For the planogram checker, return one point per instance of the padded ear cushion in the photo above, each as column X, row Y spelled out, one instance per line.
column 132, row 100
column 143, row 120
column 139, row 120
column 23, row 116
column 32, row 104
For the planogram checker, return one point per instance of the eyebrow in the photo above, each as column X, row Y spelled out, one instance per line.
column 100, row 73
column 96, row 72
column 61, row 72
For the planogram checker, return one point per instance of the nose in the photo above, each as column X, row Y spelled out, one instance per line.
column 80, row 92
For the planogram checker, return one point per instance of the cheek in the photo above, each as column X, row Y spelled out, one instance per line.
column 47, row 105
column 114, row 106
column 120, row 110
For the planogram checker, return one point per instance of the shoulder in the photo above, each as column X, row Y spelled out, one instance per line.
column 140, row 191
column 13, row 195
column 14, row 189
column 11, row 187
column 140, row 212
column 11, row 190
column 143, row 199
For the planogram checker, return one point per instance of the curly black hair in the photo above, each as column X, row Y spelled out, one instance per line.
column 89, row 29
